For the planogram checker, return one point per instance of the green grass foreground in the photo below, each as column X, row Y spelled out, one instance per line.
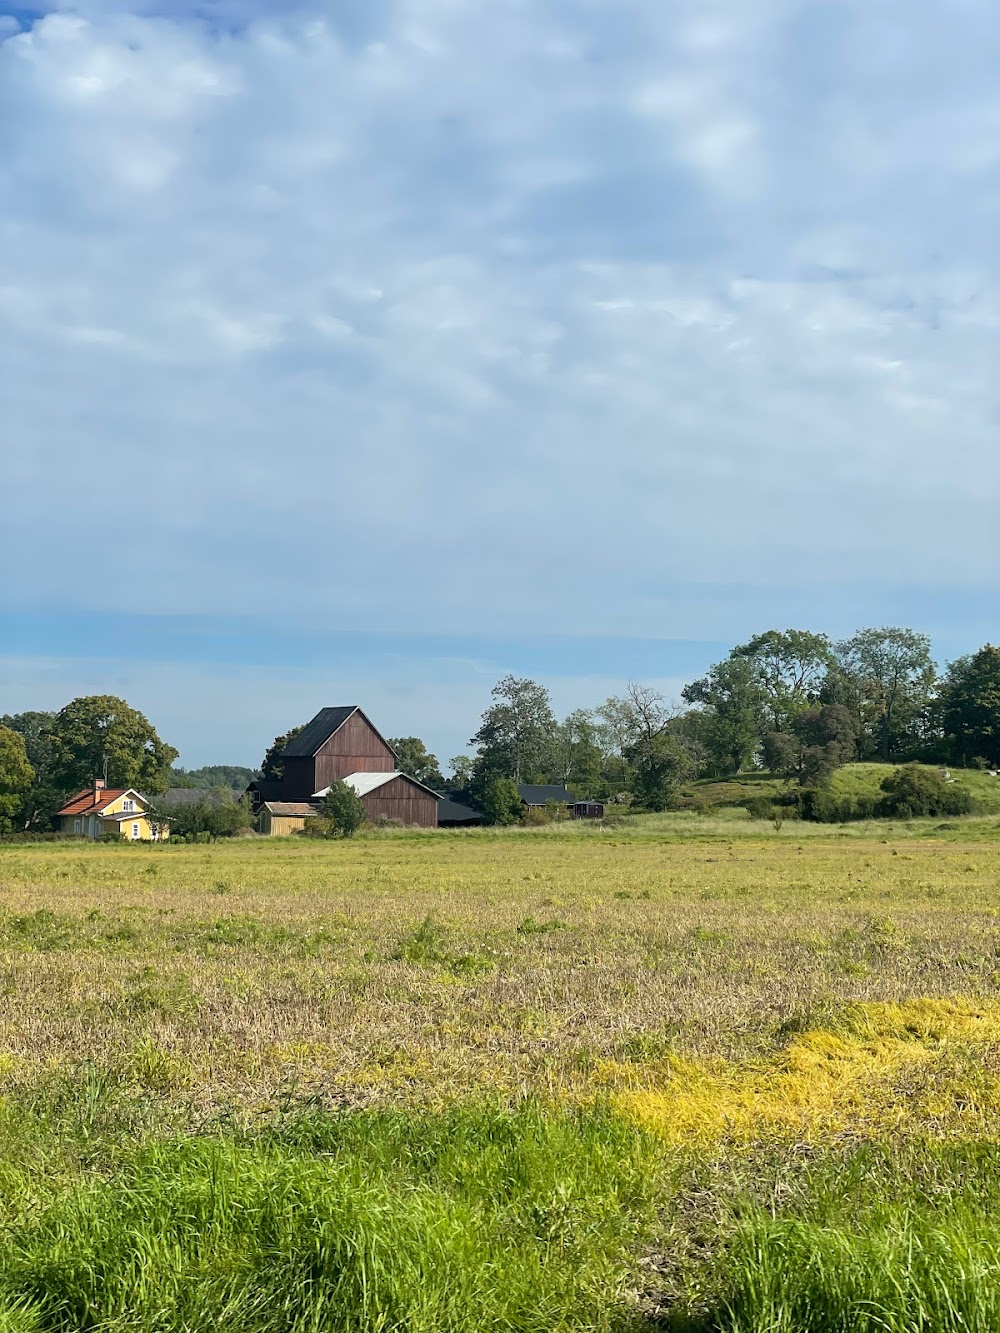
column 480, row 1218
column 886, row 1241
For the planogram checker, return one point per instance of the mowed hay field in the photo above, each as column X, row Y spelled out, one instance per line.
column 676, row 1073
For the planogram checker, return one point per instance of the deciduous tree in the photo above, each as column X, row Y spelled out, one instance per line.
column 16, row 776
column 971, row 707
column 101, row 729
column 516, row 733
column 894, row 678
column 343, row 807
column 271, row 767
column 414, row 759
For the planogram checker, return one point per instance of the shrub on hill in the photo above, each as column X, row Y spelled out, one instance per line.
column 913, row 791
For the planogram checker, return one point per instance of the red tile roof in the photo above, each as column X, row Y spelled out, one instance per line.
column 90, row 802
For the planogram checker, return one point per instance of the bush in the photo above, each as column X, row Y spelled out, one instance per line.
column 501, row 802
column 913, row 791
column 535, row 815
column 218, row 815
column 317, row 828
column 343, row 809
column 822, row 807
column 760, row 807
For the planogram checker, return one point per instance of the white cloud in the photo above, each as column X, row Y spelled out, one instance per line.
column 411, row 321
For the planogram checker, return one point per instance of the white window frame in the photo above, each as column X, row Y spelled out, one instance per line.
column 128, row 806
column 135, row 833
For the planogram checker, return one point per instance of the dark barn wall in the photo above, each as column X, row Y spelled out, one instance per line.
column 403, row 800
column 297, row 783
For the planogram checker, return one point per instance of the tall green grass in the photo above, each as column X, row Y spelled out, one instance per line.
column 478, row 1218
column 895, row 1241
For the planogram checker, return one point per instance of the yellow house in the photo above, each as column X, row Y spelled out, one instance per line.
column 121, row 810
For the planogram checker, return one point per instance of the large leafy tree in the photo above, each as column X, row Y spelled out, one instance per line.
column 892, row 676
column 46, row 794
column 970, row 710
column 463, row 770
column 414, row 759
column 735, row 702
column 16, row 776
column 792, row 666
column 615, row 721
column 516, row 734
column 500, row 802
column 577, row 753
column 100, row 730
column 659, row 758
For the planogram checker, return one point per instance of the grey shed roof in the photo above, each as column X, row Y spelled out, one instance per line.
column 539, row 793
column 317, row 732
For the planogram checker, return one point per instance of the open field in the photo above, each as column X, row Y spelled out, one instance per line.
column 639, row 1076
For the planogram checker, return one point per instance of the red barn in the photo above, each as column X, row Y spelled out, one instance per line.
column 342, row 744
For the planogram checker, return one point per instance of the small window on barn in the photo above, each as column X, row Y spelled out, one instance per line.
column 77, row 825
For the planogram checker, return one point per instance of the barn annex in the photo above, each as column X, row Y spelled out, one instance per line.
column 341, row 744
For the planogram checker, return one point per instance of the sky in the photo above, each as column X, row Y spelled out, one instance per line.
column 364, row 351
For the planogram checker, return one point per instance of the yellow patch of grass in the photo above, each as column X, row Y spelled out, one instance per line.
column 825, row 1081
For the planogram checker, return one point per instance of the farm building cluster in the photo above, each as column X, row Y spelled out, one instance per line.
column 339, row 745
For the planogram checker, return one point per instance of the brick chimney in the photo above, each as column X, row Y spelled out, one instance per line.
column 99, row 784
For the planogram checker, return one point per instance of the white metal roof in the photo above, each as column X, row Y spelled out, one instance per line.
column 363, row 783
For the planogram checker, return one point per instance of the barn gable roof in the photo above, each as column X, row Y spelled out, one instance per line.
column 325, row 724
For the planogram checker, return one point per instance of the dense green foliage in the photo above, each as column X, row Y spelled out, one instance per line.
column 101, row 734
column 500, row 802
column 343, row 809
column 913, row 791
column 791, row 702
column 271, row 767
column 233, row 776
column 414, row 759
column 971, row 707
column 45, row 795
column 516, row 734
column 220, row 814
column 16, row 776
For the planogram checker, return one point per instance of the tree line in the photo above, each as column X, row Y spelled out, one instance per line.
column 791, row 701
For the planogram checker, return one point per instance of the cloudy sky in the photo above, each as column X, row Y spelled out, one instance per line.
column 360, row 351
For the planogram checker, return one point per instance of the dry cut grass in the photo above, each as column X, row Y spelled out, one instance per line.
column 424, row 968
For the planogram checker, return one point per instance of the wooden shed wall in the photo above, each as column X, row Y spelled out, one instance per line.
column 280, row 826
column 404, row 800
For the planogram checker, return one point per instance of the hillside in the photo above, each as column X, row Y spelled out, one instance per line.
column 851, row 780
